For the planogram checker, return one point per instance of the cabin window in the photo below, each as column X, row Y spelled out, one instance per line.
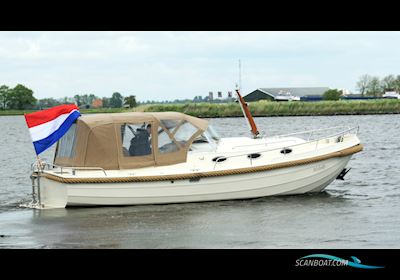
column 185, row 132
column 209, row 136
column 201, row 139
column 136, row 139
column 165, row 143
column 170, row 125
column 66, row 144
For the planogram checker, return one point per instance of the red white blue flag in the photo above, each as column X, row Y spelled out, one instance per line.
column 47, row 126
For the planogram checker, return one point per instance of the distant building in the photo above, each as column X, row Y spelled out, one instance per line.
column 304, row 93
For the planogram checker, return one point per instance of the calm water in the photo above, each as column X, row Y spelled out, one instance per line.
column 361, row 212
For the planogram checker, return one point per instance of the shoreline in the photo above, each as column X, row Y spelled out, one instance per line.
column 258, row 109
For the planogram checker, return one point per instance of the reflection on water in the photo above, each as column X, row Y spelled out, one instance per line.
column 231, row 224
column 360, row 212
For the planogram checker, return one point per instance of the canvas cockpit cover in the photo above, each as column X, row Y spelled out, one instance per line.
column 112, row 141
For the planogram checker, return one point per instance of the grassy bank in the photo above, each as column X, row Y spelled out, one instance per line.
column 265, row 108
column 261, row 108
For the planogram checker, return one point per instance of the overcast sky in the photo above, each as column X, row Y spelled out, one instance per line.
column 176, row 65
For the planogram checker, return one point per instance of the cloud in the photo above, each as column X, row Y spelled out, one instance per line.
column 170, row 65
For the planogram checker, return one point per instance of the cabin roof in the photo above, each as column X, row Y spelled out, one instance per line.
column 93, row 120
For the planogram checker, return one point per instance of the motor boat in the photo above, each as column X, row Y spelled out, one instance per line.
column 286, row 96
column 169, row 157
column 391, row 95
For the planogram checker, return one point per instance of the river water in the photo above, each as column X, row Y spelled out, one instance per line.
column 361, row 212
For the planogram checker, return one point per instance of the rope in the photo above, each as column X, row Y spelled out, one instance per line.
column 342, row 153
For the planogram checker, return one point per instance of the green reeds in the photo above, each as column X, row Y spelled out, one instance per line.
column 259, row 108
column 293, row 108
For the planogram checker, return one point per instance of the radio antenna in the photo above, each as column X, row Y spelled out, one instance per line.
column 240, row 76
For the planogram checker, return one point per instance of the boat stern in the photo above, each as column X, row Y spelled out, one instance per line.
column 52, row 194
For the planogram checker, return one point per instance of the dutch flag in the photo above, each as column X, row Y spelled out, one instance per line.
column 47, row 126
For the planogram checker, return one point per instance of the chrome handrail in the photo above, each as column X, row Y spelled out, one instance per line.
column 73, row 168
column 347, row 128
column 89, row 168
column 261, row 144
column 311, row 131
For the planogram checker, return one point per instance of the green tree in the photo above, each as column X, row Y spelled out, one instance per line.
column 363, row 83
column 116, row 100
column 198, row 99
column 332, row 94
column 66, row 100
column 85, row 99
column 397, row 84
column 389, row 83
column 5, row 95
column 374, row 87
column 131, row 101
column 106, row 102
column 77, row 98
column 91, row 98
column 21, row 97
column 47, row 103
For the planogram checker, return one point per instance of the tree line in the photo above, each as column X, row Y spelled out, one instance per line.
column 21, row 98
column 87, row 101
column 17, row 98
column 115, row 101
column 369, row 85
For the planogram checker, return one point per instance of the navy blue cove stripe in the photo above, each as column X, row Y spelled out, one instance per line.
column 45, row 143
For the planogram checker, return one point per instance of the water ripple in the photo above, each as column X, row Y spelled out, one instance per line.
column 361, row 211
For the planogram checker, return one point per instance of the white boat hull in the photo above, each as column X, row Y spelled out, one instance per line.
column 299, row 179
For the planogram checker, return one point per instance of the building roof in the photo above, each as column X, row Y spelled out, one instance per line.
column 295, row 91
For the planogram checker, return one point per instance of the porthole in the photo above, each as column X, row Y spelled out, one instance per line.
column 219, row 159
column 253, row 156
column 286, row 151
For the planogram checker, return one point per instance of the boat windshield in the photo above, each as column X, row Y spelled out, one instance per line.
column 206, row 141
column 213, row 133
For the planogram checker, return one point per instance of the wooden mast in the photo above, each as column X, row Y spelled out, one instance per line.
column 247, row 114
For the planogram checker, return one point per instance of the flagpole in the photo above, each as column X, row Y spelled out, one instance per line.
column 51, row 117
column 30, row 135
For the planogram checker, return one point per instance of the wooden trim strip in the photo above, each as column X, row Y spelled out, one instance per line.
column 342, row 153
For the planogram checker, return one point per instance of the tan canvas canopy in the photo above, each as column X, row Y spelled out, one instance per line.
column 128, row 140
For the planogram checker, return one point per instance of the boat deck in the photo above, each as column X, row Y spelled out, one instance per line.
column 231, row 154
